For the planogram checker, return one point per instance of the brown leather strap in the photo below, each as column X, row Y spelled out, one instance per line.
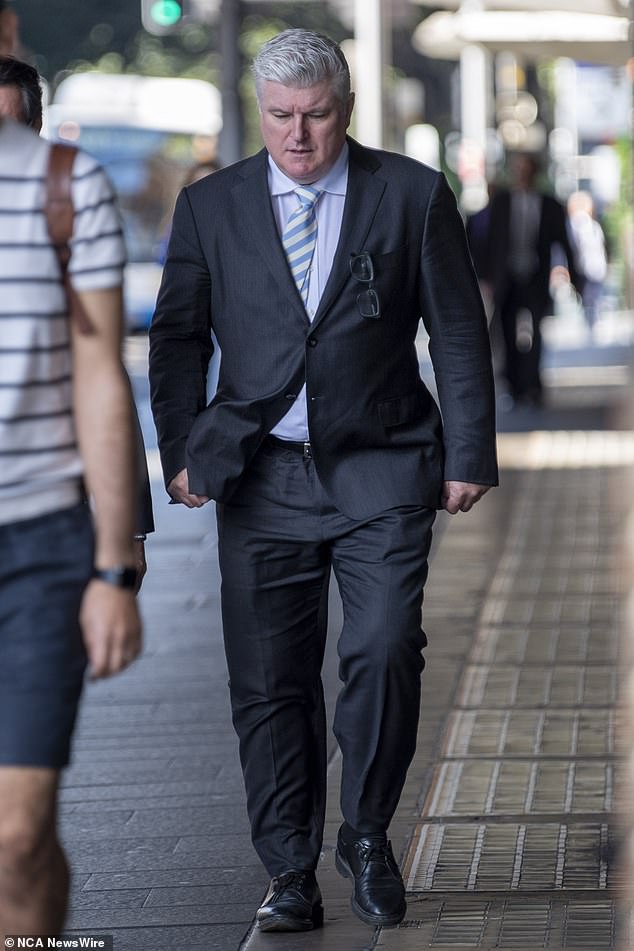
column 60, row 215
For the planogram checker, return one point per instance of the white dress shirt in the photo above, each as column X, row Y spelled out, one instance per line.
column 329, row 213
column 526, row 209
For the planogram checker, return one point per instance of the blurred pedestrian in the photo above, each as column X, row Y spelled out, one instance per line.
column 477, row 226
column 8, row 30
column 200, row 170
column 526, row 226
column 67, row 575
column 588, row 239
column 193, row 174
column 314, row 261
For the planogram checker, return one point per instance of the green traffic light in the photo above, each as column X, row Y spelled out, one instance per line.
column 166, row 12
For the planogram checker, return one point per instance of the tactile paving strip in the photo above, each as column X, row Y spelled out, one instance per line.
column 522, row 793
column 530, row 732
column 533, row 787
column 505, row 924
column 506, row 857
column 561, row 685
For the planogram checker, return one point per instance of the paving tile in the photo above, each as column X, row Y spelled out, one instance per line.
column 237, row 892
column 164, row 937
column 107, row 901
column 111, row 918
column 180, row 788
column 189, row 820
column 80, row 823
column 226, row 875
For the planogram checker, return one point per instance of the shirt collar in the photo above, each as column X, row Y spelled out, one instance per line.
column 334, row 181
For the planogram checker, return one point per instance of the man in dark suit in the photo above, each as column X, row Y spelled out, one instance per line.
column 314, row 262
column 526, row 227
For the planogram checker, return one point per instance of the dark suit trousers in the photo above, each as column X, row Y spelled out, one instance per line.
column 278, row 538
column 523, row 351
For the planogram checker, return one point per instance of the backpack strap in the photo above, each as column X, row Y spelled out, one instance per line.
column 60, row 214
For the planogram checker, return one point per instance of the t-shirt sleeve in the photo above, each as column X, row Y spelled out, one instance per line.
column 98, row 249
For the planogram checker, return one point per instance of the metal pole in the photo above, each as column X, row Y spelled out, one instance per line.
column 630, row 182
column 368, row 56
column 231, row 140
column 474, row 67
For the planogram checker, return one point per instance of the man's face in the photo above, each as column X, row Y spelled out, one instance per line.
column 11, row 103
column 303, row 129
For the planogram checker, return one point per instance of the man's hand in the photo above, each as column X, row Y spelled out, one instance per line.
column 461, row 496
column 111, row 628
column 178, row 489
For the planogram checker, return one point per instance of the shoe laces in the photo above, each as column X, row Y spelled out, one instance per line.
column 375, row 852
column 291, row 879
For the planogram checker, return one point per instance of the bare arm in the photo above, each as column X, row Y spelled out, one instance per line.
column 105, row 431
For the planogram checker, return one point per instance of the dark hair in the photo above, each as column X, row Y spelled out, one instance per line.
column 13, row 72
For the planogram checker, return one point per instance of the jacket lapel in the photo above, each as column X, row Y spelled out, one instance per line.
column 363, row 194
column 255, row 212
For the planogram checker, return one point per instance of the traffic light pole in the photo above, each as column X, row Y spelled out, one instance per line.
column 230, row 144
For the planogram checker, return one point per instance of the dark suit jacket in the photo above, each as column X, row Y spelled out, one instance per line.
column 377, row 436
column 552, row 231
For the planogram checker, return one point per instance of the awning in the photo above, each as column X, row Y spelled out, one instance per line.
column 534, row 35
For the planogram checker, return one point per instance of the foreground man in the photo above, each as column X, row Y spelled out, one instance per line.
column 314, row 262
column 21, row 100
column 67, row 575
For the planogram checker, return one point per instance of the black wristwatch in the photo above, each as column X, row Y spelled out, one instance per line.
column 120, row 576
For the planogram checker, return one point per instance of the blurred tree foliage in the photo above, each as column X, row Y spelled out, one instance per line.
column 91, row 34
column 60, row 34
column 76, row 36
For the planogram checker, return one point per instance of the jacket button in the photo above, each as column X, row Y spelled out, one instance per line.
column 312, row 342
column 290, row 397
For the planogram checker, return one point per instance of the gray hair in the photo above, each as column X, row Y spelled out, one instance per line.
column 302, row 58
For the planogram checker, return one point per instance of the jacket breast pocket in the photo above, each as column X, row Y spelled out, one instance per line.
column 404, row 409
column 389, row 260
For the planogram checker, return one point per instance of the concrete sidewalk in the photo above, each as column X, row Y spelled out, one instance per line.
column 504, row 830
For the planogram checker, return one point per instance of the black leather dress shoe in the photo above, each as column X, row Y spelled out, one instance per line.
column 292, row 903
column 378, row 897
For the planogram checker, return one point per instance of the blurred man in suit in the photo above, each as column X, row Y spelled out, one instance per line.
column 8, row 30
column 525, row 228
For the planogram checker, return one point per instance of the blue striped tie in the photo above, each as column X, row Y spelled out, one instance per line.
column 300, row 237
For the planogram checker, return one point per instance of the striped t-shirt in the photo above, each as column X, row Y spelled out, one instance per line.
column 40, row 467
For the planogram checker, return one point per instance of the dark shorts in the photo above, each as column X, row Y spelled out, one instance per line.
column 45, row 564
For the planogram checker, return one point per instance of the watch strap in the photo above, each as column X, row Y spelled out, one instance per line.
column 121, row 576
